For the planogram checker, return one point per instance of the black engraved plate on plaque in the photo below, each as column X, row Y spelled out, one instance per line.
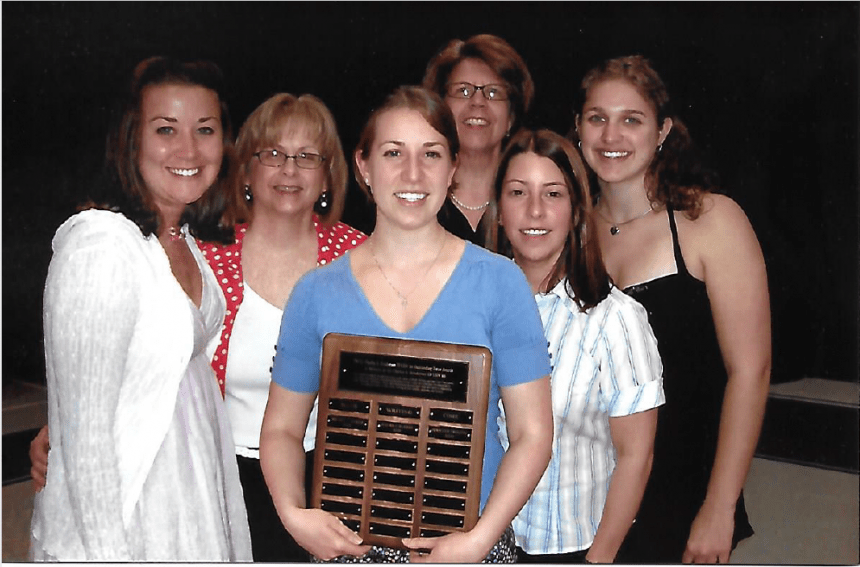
column 444, row 502
column 342, row 490
column 395, row 410
column 396, row 428
column 345, row 456
column 451, row 416
column 341, row 507
column 450, row 433
column 425, row 532
column 404, row 464
column 395, row 531
column 397, row 445
column 400, row 436
column 442, row 519
column 403, row 376
column 447, row 467
column 456, row 451
column 355, row 475
column 394, row 479
column 347, row 422
column 355, row 406
column 383, row 495
column 402, row 514
column 445, row 485
column 332, row 437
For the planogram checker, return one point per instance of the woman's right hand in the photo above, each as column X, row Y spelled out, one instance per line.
column 39, row 447
column 323, row 535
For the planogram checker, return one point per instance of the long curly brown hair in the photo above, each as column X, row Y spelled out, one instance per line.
column 677, row 177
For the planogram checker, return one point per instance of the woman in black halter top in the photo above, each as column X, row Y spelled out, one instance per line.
column 692, row 259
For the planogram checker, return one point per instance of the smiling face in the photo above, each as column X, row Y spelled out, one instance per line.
column 481, row 124
column 287, row 189
column 181, row 144
column 535, row 210
column 619, row 132
column 409, row 168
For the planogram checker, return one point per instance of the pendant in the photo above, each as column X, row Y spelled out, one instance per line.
column 403, row 302
column 613, row 230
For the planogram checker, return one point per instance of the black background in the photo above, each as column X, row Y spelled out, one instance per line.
column 768, row 90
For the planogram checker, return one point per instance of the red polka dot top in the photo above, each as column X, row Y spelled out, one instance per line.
column 226, row 262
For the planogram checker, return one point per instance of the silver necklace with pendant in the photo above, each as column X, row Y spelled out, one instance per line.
column 615, row 227
column 404, row 302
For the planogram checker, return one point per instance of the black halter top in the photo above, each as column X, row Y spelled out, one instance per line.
column 694, row 380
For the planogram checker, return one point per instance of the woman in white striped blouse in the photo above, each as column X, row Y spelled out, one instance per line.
column 607, row 373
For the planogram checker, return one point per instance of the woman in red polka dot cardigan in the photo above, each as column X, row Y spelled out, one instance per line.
column 289, row 193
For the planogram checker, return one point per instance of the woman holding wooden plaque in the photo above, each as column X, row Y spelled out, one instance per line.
column 412, row 280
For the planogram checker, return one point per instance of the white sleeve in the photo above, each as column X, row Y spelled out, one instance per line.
column 91, row 306
column 632, row 376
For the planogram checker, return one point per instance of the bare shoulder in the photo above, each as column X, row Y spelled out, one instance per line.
column 719, row 213
column 721, row 233
column 722, row 221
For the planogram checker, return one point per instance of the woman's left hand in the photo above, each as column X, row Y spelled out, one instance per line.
column 710, row 535
column 457, row 547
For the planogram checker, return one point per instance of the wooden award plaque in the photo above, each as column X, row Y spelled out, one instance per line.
column 400, row 436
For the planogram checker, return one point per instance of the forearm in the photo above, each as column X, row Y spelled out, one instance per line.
column 740, row 425
column 622, row 502
column 519, row 473
column 282, row 459
column 529, row 424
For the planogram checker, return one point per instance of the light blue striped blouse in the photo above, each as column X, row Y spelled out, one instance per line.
column 605, row 364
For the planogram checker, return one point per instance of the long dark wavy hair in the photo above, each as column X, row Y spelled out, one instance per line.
column 580, row 261
column 123, row 188
column 678, row 176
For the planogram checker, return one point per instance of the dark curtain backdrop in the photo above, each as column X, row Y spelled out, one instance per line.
column 768, row 90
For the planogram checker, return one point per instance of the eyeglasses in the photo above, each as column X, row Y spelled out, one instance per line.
column 468, row 90
column 275, row 158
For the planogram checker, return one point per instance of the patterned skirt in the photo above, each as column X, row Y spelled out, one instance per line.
column 504, row 551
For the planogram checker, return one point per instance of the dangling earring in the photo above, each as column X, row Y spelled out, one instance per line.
column 248, row 196
column 579, row 144
column 322, row 203
column 660, row 148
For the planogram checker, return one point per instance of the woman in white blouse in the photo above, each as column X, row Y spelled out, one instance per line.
column 606, row 372
column 288, row 194
column 285, row 199
column 142, row 465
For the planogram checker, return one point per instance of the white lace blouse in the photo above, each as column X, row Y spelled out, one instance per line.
column 141, row 465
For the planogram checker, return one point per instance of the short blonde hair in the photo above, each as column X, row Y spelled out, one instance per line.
column 263, row 129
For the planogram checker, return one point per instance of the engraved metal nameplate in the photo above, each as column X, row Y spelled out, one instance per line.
column 400, row 436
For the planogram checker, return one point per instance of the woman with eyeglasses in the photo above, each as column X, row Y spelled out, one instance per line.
column 410, row 280
column 142, row 465
column 287, row 197
column 489, row 89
